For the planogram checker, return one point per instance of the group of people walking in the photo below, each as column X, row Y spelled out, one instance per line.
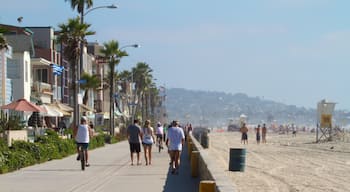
column 174, row 138
column 258, row 130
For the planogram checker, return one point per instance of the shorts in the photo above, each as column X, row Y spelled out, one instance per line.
column 160, row 136
column 258, row 137
column 84, row 145
column 135, row 147
column 147, row 144
column 244, row 136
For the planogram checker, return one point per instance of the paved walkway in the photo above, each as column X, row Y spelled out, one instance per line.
column 110, row 170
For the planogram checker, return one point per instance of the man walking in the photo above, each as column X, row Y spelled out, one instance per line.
column 244, row 131
column 175, row 141
column 134, row 135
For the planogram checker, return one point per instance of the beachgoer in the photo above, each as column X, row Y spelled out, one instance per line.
column 263, row 133
column 159, row 134
column 147, row 141
column 294, row 130
column 257, row 134
column 134, row 135
column 82, row 135
column 175, row 141
column 244, row 131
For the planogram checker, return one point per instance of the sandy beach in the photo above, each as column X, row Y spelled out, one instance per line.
column 285, row 163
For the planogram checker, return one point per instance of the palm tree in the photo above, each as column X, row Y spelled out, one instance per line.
column 143, row 79
column 154, row 100
column 70, row 35
column 92, row 82
column 114, row 54
column 3, row 43
column 80, row 5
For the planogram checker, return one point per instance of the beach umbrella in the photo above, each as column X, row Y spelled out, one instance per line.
column 23, row 105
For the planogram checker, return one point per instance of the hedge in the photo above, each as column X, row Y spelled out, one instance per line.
column 45, row 148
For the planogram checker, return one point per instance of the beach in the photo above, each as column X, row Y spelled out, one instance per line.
column 285, row 163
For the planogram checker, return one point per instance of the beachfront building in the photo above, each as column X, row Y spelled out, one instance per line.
column 5, row 82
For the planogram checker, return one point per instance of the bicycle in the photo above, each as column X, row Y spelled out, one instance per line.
column 82, row 156
column 159, row 142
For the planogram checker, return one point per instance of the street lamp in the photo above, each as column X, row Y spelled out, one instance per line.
column 108, row 7
column 80, row 66
column 112, row 109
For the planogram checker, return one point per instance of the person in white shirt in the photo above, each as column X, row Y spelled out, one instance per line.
column 82, row 135
column 174, row 142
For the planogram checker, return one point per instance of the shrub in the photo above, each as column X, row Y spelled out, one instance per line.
column 45, row 148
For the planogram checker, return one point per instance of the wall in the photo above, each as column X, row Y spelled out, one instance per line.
column 16, row 135
column 209, row 170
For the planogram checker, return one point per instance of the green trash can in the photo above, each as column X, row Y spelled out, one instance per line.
column 237, row 159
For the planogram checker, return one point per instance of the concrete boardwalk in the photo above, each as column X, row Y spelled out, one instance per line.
column 110, row 170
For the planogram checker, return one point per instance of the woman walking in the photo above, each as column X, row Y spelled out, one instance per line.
column 147, row 141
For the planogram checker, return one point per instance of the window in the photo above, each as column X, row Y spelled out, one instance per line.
column 42, row 75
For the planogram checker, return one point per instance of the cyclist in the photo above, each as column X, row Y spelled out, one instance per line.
column 82, row 135
column 159, row 134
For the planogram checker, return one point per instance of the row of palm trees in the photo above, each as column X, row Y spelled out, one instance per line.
column 73, row 33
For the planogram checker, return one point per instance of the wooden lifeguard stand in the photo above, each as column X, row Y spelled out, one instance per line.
column 324, row 131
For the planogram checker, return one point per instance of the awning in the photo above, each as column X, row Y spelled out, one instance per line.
column 65, row 109
column 86, row 108
column 51, row 111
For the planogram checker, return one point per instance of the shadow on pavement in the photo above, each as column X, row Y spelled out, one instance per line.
column 183, row 181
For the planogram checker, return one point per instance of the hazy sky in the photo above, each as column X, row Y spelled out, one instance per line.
column 291, row 51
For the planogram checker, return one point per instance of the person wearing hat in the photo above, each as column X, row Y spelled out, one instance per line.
column 82, row 135
column 174, row 142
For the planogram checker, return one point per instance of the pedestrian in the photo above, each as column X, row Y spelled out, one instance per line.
column 147, row 141
column 244, row 131
column 134, row 135
column 263, row 133
column 82, row 134
column 62, row 127
column 258, row 134
column 175, row 141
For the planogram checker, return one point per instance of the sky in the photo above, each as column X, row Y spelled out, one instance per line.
column 295, row 52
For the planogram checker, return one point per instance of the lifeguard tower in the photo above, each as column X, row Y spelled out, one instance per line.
column 324, row 131
column 242, row 119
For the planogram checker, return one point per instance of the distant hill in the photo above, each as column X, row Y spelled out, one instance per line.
column 217, row 108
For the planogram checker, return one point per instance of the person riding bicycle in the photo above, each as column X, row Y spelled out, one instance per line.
column 159, row 134
column 82, row 135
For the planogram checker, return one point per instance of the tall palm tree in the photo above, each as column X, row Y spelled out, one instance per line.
column 80, row 5
column 113, row 52
column 70, row 35
column 3, row 43
column 92, row 82
column 143, row 79
column 154, row 100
